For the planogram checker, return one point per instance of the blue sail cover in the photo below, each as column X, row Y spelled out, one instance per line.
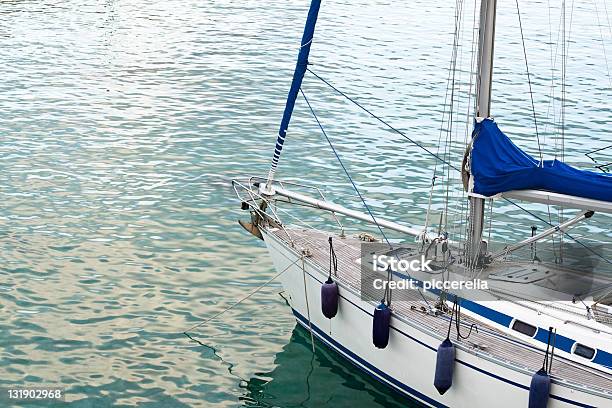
column 296, row 83
column 498, row 166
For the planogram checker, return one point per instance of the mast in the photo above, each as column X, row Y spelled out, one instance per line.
column 296, row 83
column 485, row 58
column 486, row 43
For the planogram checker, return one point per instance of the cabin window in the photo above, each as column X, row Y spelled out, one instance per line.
column 584, row 351
column 525, row 328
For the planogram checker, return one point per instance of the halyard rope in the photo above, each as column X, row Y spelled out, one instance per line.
column 535, row 121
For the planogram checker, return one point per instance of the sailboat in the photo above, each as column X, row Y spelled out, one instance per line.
column 519, row 342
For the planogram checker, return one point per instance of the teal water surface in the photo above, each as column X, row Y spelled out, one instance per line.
column 122, row 123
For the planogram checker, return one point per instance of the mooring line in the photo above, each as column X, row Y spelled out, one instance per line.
column 307, row 306
column 239, row 302
column 230, row 366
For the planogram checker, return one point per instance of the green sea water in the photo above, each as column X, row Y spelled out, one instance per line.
column 122, row 123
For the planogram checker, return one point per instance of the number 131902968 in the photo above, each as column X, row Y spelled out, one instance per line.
column 32, row 394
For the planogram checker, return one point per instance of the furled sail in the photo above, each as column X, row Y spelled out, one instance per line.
column 499, row 166
column 296, row 83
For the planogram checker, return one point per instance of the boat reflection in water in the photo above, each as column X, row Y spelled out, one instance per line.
column 325, row 379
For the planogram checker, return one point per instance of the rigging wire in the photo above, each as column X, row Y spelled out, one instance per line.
column 423, row 237
column 449, row 139
column 564, row 53
column 560, row 125
column 608, row 18
column 551, row 103
column 381, row 120
column 535, row 120
column 460, row 204
column 551, row 96
column 565, row 43
column 553, row 64
column 563, row 233
column 387, row 294
column 367, row 207
column 603, row 44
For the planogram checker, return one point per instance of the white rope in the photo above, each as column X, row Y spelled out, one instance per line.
column 241, row 300
column 303, row 45
column 307, row 305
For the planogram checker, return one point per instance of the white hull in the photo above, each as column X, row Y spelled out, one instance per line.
column 408, row 363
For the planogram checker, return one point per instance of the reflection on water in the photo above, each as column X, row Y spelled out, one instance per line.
column 301, row 379
column 121, row 124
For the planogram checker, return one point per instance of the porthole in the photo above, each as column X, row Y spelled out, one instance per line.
column 524, row 328
column 584, row 351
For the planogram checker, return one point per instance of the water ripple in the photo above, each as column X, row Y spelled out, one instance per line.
column 122, row 124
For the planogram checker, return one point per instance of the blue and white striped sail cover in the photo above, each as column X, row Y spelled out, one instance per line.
column 498, row 166
column 296, row 83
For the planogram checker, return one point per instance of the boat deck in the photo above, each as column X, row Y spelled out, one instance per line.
column 487, row 341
